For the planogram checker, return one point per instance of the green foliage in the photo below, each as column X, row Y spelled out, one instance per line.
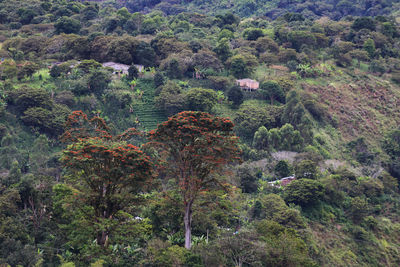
column 369, row 47
column 283, row 168
column 27, row 97
column 48, row 121
column 273, row 91
column 9, row 151
column 239, row 67
column 284, row 138
column 304, row 192
column 50, row 216
column 306, row 169
column 133, row 72
column 201, row 99
column 67, row 25
column 248, row 179
column 364, row 23
column 252, row 34
column 358, row 209
column 171, row 98
column 391, row 143
column 98, row 81
column 88, row 65
column 296, row 115
column 249, row 118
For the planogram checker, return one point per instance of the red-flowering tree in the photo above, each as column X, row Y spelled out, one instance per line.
column 196, row 146
column 108, row 173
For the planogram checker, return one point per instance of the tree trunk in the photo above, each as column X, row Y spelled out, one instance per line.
column 102, row 238
column 188, row 225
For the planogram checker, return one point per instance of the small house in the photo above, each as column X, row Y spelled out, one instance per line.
column 248, row 84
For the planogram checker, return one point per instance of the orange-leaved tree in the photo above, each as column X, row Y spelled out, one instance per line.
column 196, row 146
column 106, row 171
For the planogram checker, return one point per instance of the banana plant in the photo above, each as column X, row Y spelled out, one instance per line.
column 133, row 83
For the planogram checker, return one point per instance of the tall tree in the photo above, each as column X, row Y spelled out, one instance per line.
column 106, row 172
column 196, row 146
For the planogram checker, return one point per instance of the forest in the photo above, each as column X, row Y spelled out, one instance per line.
column 199, row 133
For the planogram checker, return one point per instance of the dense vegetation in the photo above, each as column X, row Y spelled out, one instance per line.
column 175, row 164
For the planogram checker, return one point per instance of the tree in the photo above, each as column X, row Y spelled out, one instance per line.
column 249, row 118
column 364, row 23
column 27, row 97
column 67, row 25
column 235, row 95
column 159, row 79
column 282, row 168
column 261, row 138
column 239, row 67
column 171, row 99
column 304, row 192
column 290, row 138
column 358, row 209
column 223, row 50
column 248, row 179
column 369, row 47
column 201, row 99
column 48, row 121
column 306, row 169
column 8, row 151
column 88, row 65
column 197, row 146
column 98, row 81
column 252, row 34
column 273, row 91
column 106, row 172
column 27, row 70
column 300, row 38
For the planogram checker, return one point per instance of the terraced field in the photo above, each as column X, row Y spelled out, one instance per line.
column 148, row 114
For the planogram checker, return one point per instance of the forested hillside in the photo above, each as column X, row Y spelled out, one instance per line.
column 199, row 133
column 335, row 9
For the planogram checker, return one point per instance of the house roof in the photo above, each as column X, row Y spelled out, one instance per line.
column 246, row 80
